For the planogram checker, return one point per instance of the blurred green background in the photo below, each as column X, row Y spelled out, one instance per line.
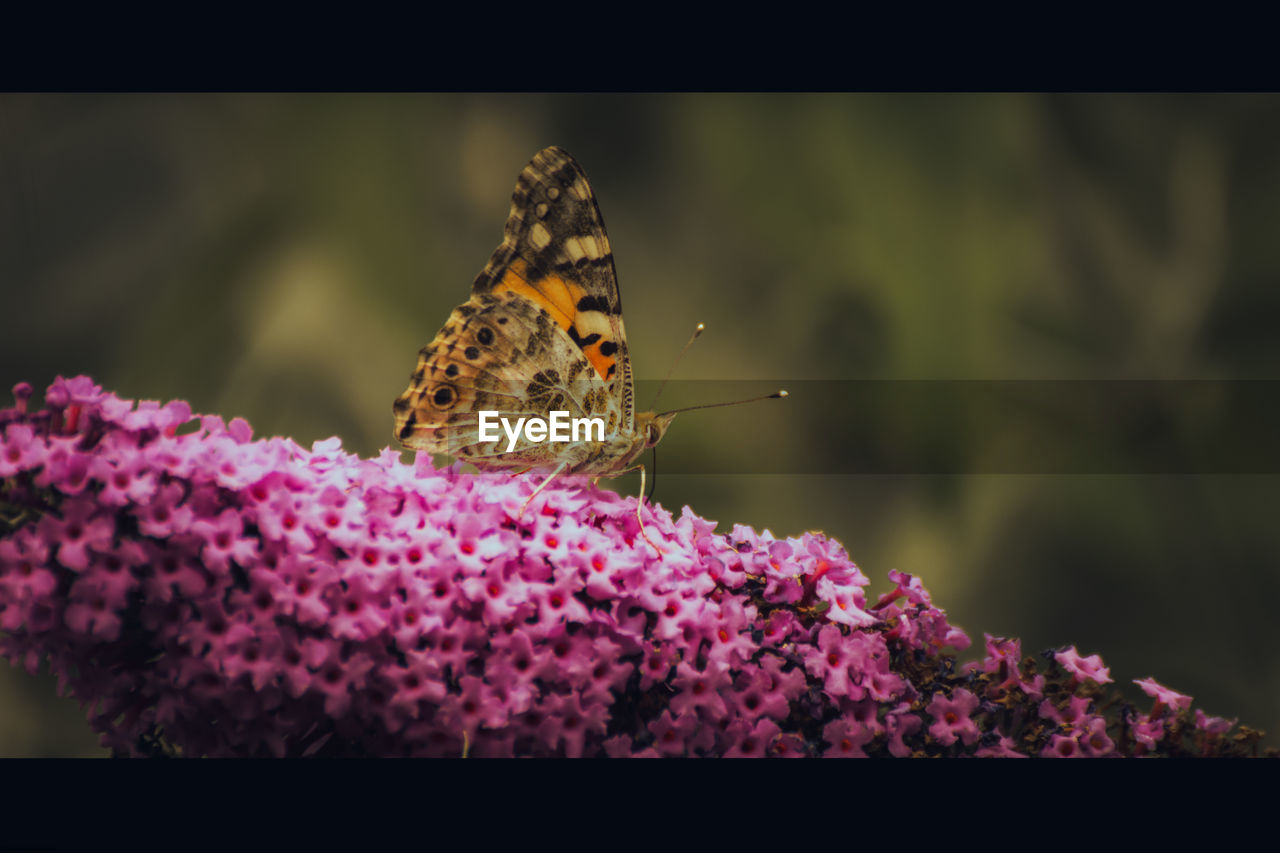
column 283, row 257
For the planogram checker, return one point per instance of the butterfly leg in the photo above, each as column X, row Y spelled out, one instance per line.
column 639, row 501
column 559, row 470
column 639, row 507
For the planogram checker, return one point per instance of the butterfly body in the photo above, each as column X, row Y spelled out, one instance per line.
column 542, row 332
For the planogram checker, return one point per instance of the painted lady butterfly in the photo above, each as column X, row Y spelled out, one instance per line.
column 541, row 332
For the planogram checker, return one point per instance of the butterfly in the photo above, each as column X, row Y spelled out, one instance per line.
column 541, row 333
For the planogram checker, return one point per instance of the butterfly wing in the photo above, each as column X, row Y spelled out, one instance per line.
column 556, row 253
column 542, row 330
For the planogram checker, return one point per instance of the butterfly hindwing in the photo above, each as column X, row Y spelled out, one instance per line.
column 500, row 354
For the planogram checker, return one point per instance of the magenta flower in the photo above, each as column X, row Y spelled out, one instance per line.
column 751, row 741
column 1094, row 738
column 1083, row 668
column 845, row 738
column 1165, row 698
column 206, row 593
column 701, row 691
column 900, row 725
column 1148, row 732
column 1003, row 661
column 1213, row 725
column 20, row 450
column 1062, row 746
column 952, row 717
column 762, row 693
column 1003, row 747
column 81, row 528
column 1074, row 710
column 671, row 734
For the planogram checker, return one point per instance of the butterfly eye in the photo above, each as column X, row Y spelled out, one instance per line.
column 485, row 336
column 444, row 397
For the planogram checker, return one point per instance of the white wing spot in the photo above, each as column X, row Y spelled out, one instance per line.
column 553, row 193
column 580, row 190
column 539, row 236
column 541, row 210
column 573, row 248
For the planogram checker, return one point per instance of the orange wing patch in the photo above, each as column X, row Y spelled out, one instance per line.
column 553, row 293
column 605, row 364
column 562, row 299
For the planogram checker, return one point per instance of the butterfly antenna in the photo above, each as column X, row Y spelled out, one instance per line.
column 697, row 331
column 776, row 395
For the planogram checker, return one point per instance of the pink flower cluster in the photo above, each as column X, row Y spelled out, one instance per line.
column 203, row 593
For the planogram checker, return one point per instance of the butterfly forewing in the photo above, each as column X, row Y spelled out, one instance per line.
column 542, row 332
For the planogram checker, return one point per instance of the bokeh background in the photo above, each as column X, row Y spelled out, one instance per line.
column 283, row 257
